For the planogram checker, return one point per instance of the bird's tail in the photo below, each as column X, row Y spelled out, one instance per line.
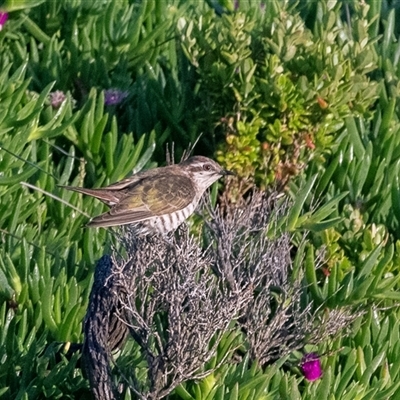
column 104, row 195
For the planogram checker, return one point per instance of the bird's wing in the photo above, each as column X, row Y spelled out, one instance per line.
column 155, row 196
column 134, row 179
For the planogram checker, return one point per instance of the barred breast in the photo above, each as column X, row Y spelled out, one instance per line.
column 169, row 222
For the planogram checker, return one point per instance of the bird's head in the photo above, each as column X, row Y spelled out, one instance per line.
column 204, row 171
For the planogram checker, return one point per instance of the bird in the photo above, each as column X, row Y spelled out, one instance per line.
column 158, row 199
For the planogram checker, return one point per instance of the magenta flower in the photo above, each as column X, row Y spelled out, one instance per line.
column 56, row 98
column 3, row 19
column 113, row 97
column 311, row 366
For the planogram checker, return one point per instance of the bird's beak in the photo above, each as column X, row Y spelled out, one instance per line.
column 225, row 172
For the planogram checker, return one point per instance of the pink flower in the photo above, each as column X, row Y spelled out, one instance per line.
column 113, row 97
column 56, row 98
column 311, row 366
column 3, row 18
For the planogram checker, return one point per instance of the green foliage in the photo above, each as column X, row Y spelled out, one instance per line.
column 237, row 381
column 361, row 260
column 77, row 47
column 275, row 90
column 29, row 367
column 46, row 257
column 355, row 366
column 365, row 163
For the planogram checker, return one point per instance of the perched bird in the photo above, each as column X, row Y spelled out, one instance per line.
column 156, row 200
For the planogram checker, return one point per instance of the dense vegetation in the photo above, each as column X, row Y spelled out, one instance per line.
column 299, row 96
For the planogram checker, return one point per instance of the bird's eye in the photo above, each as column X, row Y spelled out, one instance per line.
column 207, row 167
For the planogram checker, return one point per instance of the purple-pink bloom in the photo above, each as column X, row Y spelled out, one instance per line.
column 3, row 19
column 113, row 97
column 56, row 98
column 311, row 366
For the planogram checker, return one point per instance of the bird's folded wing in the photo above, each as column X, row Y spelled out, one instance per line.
column 120, row 217
column 133, row 180
column 152, row 198
column 157, row 196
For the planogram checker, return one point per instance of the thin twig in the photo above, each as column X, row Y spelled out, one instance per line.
column 53, row 196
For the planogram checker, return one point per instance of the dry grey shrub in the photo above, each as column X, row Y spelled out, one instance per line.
column 179, row 297
column 173, row 307
column 274, row 320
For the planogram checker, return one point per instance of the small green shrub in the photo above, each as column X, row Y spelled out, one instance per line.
column 275, row 94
